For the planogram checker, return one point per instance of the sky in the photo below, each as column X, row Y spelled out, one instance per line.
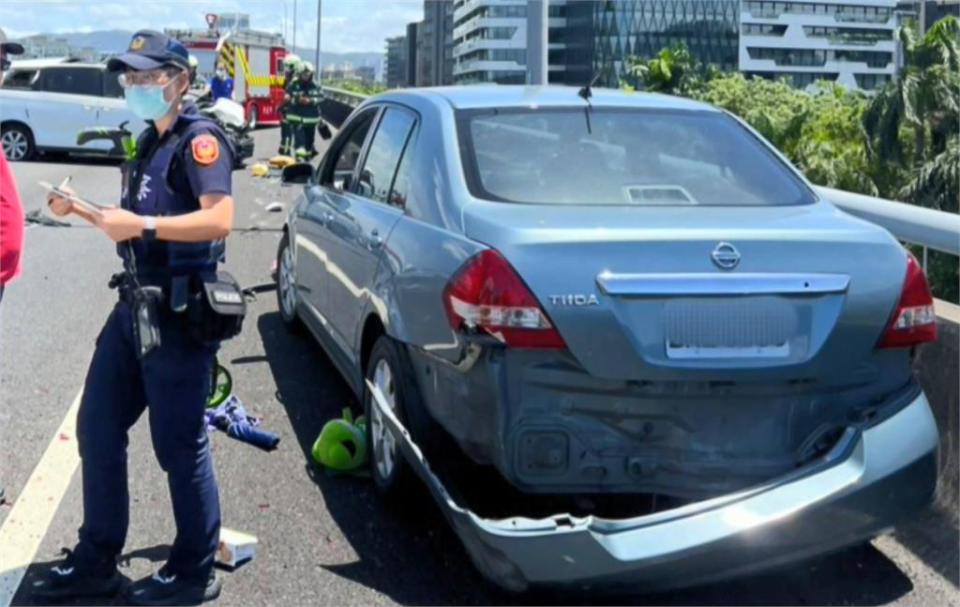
column 347, row 25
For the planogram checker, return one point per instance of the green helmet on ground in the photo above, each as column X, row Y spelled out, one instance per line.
column 342, row 444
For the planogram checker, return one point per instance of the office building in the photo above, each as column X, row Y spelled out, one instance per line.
column 490, row 41
column 396, row 62
column 435, row 44
column 602, row 35
column 852, row 42
column 411, row 55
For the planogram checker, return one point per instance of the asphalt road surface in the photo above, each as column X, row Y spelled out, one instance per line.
column 322, row 539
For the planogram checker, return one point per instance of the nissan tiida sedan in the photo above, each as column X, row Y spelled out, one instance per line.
column 677, row 360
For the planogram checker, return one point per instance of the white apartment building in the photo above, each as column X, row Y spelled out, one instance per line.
column 490, row 40
column 848, row 41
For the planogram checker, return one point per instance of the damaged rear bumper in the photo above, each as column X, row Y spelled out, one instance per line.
column 868, row 482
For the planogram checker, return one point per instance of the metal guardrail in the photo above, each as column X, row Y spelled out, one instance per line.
column 927, row 228
column 345, row 97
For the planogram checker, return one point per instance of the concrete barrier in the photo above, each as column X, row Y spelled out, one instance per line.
column 938, row 368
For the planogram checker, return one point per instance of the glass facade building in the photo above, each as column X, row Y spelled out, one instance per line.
column 602, row 34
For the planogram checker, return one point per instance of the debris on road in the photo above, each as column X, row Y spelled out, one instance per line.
column 235, row 548
column 275, row 207
column 342, row 444
column 37, row 217
column 232, row 418
column 259, row 170
column 281, row 161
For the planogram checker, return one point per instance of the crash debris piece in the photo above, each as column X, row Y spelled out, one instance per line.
column 259, row 169
column 235, row 547
column 281, row 161
column 275, row 207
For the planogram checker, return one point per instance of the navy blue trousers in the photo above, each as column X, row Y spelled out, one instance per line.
column 173, row 383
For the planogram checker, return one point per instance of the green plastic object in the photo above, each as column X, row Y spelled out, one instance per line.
column 222, row 387
column 342, row 444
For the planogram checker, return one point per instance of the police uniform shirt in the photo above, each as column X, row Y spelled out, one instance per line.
column 204, row 165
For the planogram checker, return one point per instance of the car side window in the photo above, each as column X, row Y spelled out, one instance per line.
column 401, row 183
column 339, row 169
column 73, row 81
column 19, row 79
column 380, row 167
column 111, row 86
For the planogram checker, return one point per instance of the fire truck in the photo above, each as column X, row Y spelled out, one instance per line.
column 252, row 58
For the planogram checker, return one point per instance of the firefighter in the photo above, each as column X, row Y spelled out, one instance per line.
column 304, row 111
column 290, row 64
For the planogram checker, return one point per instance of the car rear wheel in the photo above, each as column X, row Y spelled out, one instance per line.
column 390, row 371
column 287, row 284
column 17, row 141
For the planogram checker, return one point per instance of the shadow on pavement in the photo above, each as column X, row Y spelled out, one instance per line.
column 410, row 553
column 155, row 555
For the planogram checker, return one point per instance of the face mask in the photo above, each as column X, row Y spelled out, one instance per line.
column 147, row 101
column 221, row 74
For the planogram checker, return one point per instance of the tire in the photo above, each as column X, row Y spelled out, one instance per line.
column 286, row 286
column 17, row 142
column 389, row 369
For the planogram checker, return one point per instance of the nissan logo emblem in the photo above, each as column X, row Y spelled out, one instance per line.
column 726, row 256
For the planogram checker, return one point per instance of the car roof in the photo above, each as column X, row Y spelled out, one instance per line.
column 496, row 96
column 34, row 64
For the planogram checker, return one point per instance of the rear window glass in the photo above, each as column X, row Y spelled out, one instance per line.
column 621, row 157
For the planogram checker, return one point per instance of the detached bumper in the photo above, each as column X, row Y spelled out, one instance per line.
column 868, row 482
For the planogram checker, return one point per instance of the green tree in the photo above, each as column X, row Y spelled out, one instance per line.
column 923, row 100
column 673, row 71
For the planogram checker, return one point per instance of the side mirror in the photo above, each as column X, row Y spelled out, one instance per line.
column 324, row 130
column 300, row 172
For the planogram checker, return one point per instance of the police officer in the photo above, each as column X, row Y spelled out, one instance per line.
column 176, row 210
column 290, row 64
column 304, row 110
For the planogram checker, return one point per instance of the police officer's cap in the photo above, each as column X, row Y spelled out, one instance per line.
column 150, row 50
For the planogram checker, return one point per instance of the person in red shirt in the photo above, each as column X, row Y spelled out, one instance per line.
column 11, row 226
column 11, row 211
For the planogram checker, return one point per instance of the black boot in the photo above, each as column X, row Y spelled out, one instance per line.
column 68, row 580
column 166, row 588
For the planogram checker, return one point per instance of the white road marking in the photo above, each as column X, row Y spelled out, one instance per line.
column 35, row 506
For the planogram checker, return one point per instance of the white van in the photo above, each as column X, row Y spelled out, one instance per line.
column 45, row 103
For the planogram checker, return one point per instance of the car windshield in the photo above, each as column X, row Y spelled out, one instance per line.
column 621, row 156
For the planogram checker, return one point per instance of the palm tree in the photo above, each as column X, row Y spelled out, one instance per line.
column 923, row 98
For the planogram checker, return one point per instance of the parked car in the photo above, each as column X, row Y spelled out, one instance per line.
column 634, row 295
column 44, row 104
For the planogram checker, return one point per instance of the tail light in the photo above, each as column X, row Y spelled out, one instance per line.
column 914, row 321
column 487, row 294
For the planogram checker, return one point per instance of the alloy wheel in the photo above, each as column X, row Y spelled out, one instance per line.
column 288, row 294
column 15, row 145
column 384, row 443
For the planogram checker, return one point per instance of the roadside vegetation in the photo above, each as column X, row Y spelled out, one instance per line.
column 902, row 143
column 354, row 86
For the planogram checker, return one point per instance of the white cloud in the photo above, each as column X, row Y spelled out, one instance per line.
column 348, row 25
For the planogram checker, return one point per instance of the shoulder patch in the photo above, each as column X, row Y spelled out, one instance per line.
column 205, row 148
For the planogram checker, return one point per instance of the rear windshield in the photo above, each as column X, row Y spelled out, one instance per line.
column 621, row 157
